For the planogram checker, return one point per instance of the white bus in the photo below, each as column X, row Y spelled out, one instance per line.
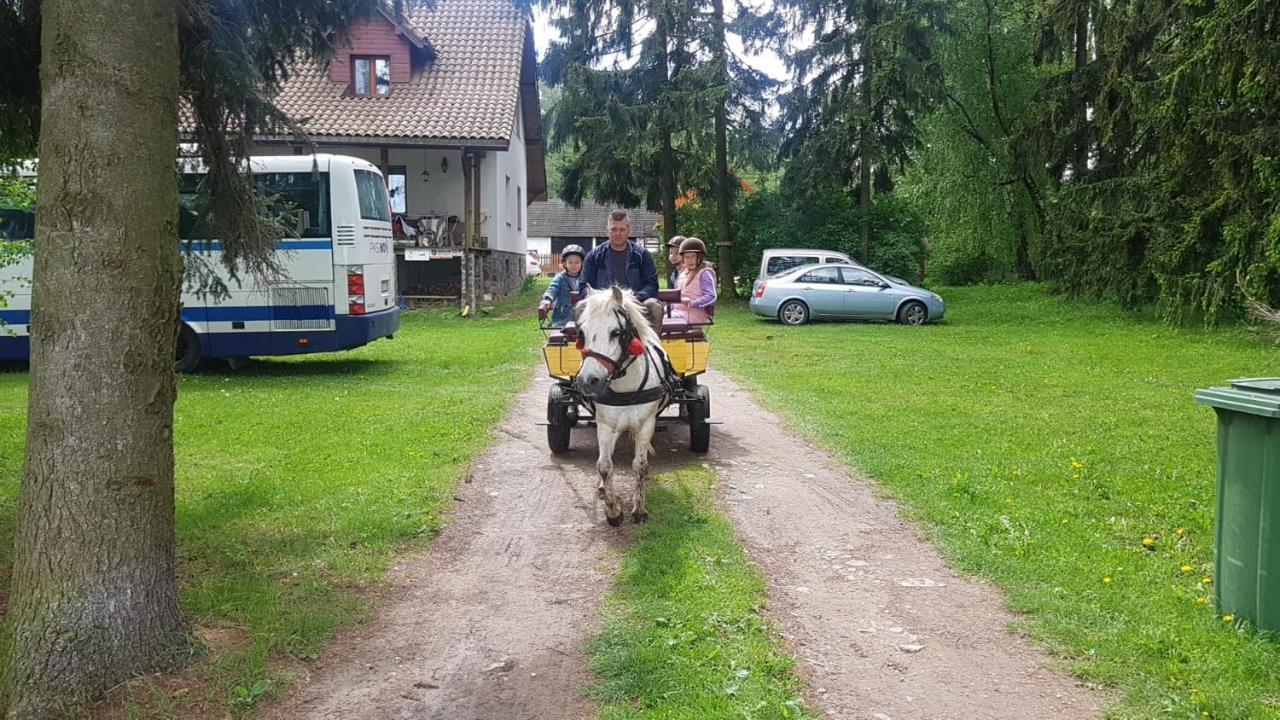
column 338, row 287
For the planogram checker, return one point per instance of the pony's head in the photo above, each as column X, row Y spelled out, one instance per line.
column 612, row 330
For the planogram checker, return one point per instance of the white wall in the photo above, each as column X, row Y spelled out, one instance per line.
column 541, row 244
column 441, row 194
column 506, row 200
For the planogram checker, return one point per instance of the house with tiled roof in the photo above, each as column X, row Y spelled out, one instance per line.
column 445, row 100
column 553, row 224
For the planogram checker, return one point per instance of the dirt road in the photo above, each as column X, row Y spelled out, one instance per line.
column 492, row 621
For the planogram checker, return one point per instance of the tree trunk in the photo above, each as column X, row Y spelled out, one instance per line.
column 94, row 594
column 666, row 154
column 1080, row 164
column 724, row 242
column 864, row 142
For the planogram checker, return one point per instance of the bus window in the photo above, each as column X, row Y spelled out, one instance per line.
column 373, row 196
column 301, row 191
column 292, row 192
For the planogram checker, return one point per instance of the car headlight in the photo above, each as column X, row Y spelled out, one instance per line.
column 936, row 296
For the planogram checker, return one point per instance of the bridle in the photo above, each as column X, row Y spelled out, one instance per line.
column 633, row 347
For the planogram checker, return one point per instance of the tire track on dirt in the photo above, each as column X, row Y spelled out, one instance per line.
column 492, row 620
column 881, row 627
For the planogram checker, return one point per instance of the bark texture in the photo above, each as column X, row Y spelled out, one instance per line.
column 94, row 593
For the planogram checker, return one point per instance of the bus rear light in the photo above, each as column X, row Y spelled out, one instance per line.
column 304, row 341
column 355, row 290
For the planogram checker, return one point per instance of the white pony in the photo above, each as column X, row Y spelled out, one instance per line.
column 625, row 377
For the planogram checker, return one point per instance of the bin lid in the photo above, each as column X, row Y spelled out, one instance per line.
column 1266, row 385
column 1256, row 396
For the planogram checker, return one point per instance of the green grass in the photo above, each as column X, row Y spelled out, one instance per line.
column 298, row 478
column 684, row 637
column 1039, row 442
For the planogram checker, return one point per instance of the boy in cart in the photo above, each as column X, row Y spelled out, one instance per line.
column 556, row 299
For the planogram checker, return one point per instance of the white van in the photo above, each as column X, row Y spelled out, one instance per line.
column 780, row 260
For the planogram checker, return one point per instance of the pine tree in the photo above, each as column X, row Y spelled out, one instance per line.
column 862, row 88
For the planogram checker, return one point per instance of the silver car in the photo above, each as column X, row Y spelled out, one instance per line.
column 844, row 292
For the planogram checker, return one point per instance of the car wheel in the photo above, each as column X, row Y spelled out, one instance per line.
column 913, row 313
column 793, row 312
column 189, row 353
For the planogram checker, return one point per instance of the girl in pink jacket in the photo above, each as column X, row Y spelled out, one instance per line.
column 697, row 284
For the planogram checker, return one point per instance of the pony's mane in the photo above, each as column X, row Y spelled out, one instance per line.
column 600, row 305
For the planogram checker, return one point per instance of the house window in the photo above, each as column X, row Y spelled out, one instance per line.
column 396, row 186
column 371, row 75
column 508, row 194
column 519, row 208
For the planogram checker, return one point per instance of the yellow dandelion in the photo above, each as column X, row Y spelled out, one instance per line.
column 1202, row 600
column 1186, row 568
column 1228, row 618
column 1182, row 531
column 1148, row 542
column 1206, row 580
column 1108, row 580
column 1077, row 464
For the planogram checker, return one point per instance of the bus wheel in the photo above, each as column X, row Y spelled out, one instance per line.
column 189, row 354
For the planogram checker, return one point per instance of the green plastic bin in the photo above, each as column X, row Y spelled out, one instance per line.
column 1248, row 519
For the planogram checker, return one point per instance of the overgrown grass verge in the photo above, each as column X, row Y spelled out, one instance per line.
column 684, row 636
column 1054, row 448
column 298, row 479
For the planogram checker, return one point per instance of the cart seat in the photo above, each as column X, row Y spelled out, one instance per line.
column 563, row 335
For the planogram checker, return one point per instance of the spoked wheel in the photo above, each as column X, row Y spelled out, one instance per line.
column 699, row 429
column 189, row 354
column 913, row 313
column 559, row 420
column 793, row 312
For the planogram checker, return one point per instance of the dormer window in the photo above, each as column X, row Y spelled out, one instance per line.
column 370, row 75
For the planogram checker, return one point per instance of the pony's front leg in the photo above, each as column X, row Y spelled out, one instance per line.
column 644, row 440
column 606, row 438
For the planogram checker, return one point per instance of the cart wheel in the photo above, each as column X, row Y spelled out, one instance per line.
column 699, row 430
column 558, row 419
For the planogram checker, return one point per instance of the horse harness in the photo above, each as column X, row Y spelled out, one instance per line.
column 632, row 348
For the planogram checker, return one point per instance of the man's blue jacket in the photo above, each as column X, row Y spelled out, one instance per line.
column 642, row 273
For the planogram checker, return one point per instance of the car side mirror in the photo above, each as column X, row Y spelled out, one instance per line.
column 883, row 285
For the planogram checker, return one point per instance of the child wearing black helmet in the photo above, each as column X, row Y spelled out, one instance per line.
column 556, row 298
